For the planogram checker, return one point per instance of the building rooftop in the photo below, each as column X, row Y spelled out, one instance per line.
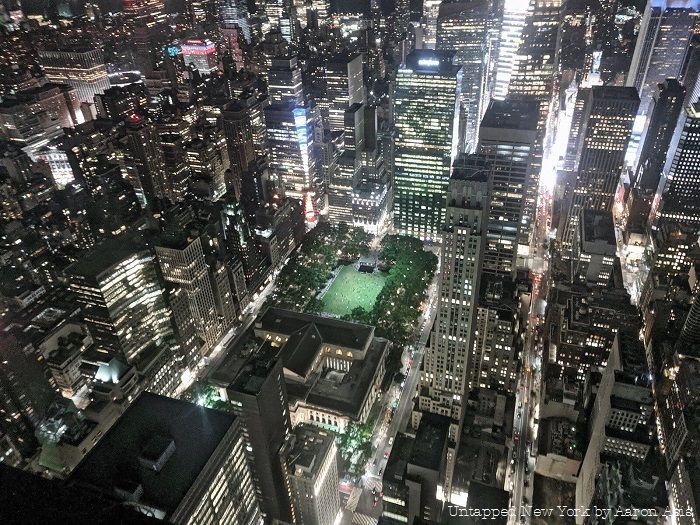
column 106, row 254
column 598, row 226
column 159, row 445
column 338, row 391
column 431, row 439
column 511, row 114
column 310, row 447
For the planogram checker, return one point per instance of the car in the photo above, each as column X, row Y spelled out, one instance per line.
column 516, row 437
column 374, row 492
column 386, row 454
column 374, row 463
column 527, row 483
column 519, row 414
column 380, row 471
column 527, row 470
column 391, row 441
column 376, row 500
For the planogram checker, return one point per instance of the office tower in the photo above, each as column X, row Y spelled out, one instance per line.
column 605, row 131
column 672, row 248
column 121, row 298
column 515, row 13
column 284, row 82
column 175, row 168
column 259, row 398
column 80, row 67
column 444, row 381
column 534, row 64
column 146, row 156
column 238, row 129
column 348, row 171
column 200, row 55
column 182, row 264
column 208, row 162
column 233, row 20
column 662, row 44
column 175, row 461
column 462, row 28
column 427, row 119
column 497, row 339
column 118, row 102
column 681, row 189
column 667, row 106
column 507, row 138
column 312, row 469
column 281, row 16
column 344, row 87
column 290, row 135
column 291, row 123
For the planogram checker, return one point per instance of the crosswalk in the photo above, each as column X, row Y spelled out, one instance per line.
column 362, row 519
column 354, row 499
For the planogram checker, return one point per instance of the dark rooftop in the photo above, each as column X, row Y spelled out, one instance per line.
column 431, row 439
column 117, row 459
column 511, row 114
column 598, row 226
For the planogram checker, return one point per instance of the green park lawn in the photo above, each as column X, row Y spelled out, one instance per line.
column 352, row 289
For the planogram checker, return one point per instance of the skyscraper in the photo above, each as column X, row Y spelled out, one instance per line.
column 259, row 398
column 507, row 137
column 312, row 471
column 681, row 189
column 427, row 94
column 664, row 117
column 121, row 298
column 662, row 44
column 462, row 28
column 344, row 87
column 605, row 132
column 182, row 264
column 80, row 67
column 444, row 380
column 348, row 171
column 515, row 12
column 176, row 461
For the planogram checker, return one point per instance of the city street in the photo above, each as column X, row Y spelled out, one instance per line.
column 362, row 499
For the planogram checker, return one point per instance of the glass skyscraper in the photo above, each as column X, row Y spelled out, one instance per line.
column 428, row 89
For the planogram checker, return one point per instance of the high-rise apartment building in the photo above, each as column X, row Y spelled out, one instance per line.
column 606, row 127
column 344, row 87
column 507, row 137
column 175, row 461
column 83, row 68
column 427, row 119
column 259, row 397
column 121, row 298
column 182, row 264
column 444, row 378
column 681, row 189
column 462, row 28
column 662, row 44
column 312, row 471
